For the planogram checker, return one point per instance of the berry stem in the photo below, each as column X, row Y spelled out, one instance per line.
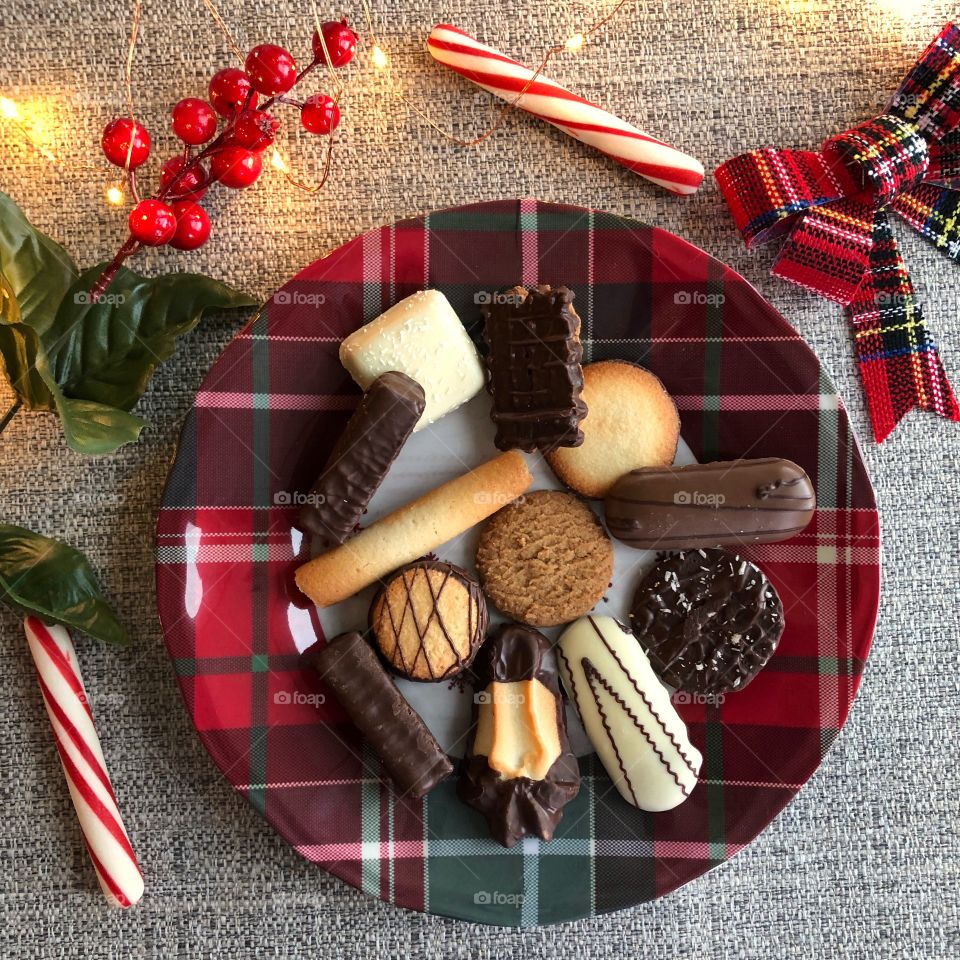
column 10, row 414
column 130, row 246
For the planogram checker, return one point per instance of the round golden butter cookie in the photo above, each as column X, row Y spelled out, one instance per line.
column 545, row 559
column 429, row 619
column 631, row 422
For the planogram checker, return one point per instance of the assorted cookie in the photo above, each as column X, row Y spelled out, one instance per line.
column 422, row 337
column 429, row 620
column 708, row 620
column 631, row 422
column 533, row 362
column 627, row 713
column 545, row 558
column 374, row 436
column 710, row 504
column 409, row 751
column 519, row 771
column 703, row 620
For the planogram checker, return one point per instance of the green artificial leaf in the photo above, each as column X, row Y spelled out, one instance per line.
column 38, row 272
column 91, row 428
column 107, row 351
column 54, row 582
column 89, row 362
column 97, row 428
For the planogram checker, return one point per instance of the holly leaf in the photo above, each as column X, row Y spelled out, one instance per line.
column 48, row 579
column 107, row 351
column 37, row 273
column 92, row 428
column 90, row 362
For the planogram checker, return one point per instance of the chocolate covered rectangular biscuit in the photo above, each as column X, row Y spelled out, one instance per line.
column 410, row 753
column 535, row 377
column 371, row 441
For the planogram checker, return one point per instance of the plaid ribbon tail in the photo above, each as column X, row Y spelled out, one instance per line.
column 934, row 212
column 899, row 363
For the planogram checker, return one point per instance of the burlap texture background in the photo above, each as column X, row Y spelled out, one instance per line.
column 863, row 864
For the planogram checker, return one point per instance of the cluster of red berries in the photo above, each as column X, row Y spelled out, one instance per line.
column 232, row 157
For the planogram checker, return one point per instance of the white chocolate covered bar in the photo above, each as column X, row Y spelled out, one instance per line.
column 626, row 711
column 422, row 337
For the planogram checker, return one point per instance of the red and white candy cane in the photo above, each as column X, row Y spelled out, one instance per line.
column 79, row 748
column 585, row 121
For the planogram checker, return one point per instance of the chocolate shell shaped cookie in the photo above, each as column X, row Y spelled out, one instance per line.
column 429, row 620
column 710, row 504
column 519, row 771
column 708, row 620
column 533, row 366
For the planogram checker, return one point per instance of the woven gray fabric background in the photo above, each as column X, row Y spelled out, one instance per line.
column 863, row 864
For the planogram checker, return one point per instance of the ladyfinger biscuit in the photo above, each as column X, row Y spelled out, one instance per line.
column 414, row 529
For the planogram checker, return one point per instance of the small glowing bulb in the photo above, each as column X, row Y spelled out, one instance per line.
column 575, row 43
column 378, row 57
column 114, row 194
column 279, row 161
column 9, row 109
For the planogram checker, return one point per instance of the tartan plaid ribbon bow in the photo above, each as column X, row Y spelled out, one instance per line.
column 833, row 206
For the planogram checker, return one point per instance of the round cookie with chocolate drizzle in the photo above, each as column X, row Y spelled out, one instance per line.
column 429, row 620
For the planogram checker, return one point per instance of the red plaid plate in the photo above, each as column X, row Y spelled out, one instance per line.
column 746, row 385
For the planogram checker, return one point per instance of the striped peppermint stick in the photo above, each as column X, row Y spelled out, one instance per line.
column 79, row 748
column 584, row 121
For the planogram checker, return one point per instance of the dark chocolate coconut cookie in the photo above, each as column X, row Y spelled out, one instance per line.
column 708, row 620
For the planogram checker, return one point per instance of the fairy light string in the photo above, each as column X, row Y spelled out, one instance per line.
column 115, row 192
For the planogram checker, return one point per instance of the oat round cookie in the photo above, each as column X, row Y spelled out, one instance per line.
column 631, row 422
column 708, row 620
column 429, row 620
column 545, row 559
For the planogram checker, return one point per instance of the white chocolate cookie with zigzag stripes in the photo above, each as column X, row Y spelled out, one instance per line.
column 627, row 713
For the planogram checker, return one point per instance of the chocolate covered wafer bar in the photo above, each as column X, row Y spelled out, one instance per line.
column 373, row 438
column 409, row 751
column 710, row 504
column 534, row 369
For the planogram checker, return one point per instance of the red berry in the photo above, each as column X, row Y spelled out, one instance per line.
column 116, row 138
column 194, row 121
column 152, row 223
column 255, row 129
column 230, row 90
column 320, row 114
column 193, row 225
column 190, row 186
column 271, row 69
column 341, row 43
column 236, row 167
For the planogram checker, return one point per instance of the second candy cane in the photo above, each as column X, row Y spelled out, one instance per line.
column 585, row 121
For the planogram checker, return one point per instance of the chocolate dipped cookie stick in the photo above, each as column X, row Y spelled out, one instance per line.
column 534, row 369
column 519, row 771
column 371, row 441
column 710, row 504
column 409, row 751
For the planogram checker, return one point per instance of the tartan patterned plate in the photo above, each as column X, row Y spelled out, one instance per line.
column 746, row 385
